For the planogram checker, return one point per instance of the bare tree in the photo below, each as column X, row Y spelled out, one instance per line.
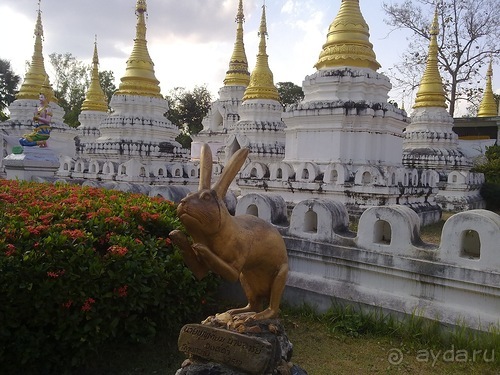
column 469, row 36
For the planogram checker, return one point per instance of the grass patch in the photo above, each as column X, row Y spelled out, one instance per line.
column 432, row 233
column 344, row 340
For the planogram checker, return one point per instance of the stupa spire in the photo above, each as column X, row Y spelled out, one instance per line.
column 430, row 92
column 488, row 107
column 139, row 78
column 95, row 100
column 36, row 77
column 347, row 42
column 238, row 74
column 261, row 84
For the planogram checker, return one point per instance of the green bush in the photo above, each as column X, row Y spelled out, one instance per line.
column 82, row 266
column 491, row 169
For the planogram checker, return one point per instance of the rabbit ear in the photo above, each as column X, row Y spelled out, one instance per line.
column 230, row 171
column 205, row 167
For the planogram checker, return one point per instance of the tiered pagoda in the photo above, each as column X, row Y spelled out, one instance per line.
column 431, row 143
column 344, row 140
column 260, row 127
column 224, row 113
column 136, row 141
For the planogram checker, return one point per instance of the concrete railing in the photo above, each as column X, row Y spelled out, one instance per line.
column 385, row 264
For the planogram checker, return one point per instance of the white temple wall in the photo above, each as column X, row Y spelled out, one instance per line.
column 359, row 137
column 346, row 83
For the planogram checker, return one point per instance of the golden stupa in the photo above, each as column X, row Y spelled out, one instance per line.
column 36, row 79
column 430, row 92
column 488, row 106
column 261, row 84
column 347, row 42
column 238, row 74
column 139, row 78
column 95, row 99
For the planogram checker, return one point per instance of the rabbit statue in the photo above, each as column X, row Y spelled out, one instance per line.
column 243, row 247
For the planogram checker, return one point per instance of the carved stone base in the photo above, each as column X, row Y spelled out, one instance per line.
column 33, row 162
column 223, row 346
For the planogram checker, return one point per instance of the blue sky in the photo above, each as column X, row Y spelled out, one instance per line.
column 191, row 41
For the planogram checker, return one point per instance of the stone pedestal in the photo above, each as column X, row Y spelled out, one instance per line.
column 32, row 162
column 225, row 347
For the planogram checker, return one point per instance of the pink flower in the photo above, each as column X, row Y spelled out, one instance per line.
column 67, row 304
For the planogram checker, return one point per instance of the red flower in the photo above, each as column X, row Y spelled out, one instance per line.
column 11, row 249
column 121, row 291
column 73, row 234
column 67, row 304
column 87, row 305
column 119, row 250
column 115, row 220
column 56, row 274
column 71, row 221
column 35, row 231
column 47, row 218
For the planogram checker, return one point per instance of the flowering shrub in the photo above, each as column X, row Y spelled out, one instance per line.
column 80, row 266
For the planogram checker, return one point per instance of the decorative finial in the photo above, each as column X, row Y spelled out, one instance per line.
column 488, row 106
column 431, row 92
column 141, row 7
column 139, row 78
column 261, row 84
column 347, row 42
column 95, row 99
column 238, row 74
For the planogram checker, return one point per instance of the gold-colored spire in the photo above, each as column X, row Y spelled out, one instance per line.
column 36, row 77
column 488, row 107
column 347, row 42
column 95, row 100
column 238, row 74
column 430, row 92
column 139, row 78
column 261, row 84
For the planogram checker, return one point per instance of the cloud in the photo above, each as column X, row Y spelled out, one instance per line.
column 70, row 26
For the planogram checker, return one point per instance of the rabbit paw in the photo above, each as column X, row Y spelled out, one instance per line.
column 198, row 267
column 201, row 251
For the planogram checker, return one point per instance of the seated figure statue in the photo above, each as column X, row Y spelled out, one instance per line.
column 41, row 131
